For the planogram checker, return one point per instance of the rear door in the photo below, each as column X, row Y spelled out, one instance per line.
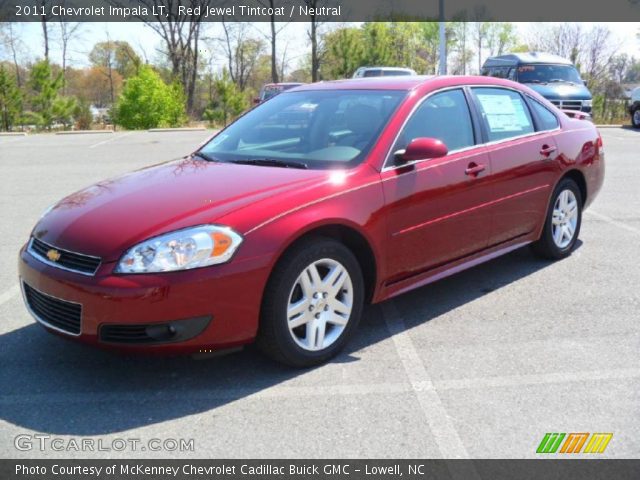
column 522, row 151
column 436, row 207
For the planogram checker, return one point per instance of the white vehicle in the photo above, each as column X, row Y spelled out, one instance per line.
column 634, row 107
column 383, row 72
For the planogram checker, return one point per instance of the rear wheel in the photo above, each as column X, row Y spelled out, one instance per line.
column 562, row 223
column 312, row 303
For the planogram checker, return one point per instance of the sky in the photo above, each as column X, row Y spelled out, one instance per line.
column 293, row 37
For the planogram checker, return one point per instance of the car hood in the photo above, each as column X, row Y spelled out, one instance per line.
column 564, row 91
column 109, row 217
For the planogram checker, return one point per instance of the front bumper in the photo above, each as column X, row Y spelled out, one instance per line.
column 228, row 296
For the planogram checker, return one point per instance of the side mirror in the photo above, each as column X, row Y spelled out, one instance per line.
column 421, row 149
column 256, row 101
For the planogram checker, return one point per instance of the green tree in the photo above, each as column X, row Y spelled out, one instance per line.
column 377, row 38
column 228, row 101
column 344, row 53
column 147, row 102
column 83, row 115
column 63, row 110
column 45, row 87
column 117, row 54
column 10, row 100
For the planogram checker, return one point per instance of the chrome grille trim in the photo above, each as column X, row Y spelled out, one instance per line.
column 37, row 255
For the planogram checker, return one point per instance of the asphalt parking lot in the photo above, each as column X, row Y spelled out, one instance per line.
column 479, row 365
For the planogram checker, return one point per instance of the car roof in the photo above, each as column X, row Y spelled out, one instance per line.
column 384, row 68
column 409, row 82
column 525, row 57
column 282, row 84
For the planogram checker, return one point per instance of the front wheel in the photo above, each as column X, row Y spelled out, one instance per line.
column 635, row 118
column 312, row 303
column 562, row 223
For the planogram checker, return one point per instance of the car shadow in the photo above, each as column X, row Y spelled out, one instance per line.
column 63, row 388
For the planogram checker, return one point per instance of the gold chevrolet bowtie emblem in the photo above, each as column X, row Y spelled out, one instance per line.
column 53, row 255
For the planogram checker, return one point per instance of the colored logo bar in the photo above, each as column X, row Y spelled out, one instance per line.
column 573, row 442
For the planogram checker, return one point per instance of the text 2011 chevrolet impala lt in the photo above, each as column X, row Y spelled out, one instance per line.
column 325, row 197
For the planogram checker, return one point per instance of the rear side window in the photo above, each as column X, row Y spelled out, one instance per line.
column 444, row 116
column 546, row 119
column 504, row 112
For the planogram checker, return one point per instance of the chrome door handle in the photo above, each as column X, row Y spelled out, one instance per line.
column 547, row 150
column 474, row 169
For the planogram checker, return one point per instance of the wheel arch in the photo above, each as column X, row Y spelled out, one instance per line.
column 578, row 177
column 353, row 239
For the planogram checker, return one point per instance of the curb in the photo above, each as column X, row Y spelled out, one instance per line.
column 13, row 134
column 83, row 132
column 186, row 129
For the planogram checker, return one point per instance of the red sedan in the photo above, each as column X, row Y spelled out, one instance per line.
column 328, row 196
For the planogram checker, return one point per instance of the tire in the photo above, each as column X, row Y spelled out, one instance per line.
column 320, row 324
column 562, row 222
column 635, row 117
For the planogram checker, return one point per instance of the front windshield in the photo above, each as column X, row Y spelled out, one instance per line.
column 321, row 129
column 548, row 74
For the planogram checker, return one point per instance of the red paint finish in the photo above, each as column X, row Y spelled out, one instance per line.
column 422, row 221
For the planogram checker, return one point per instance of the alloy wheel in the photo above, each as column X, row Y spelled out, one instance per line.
column 320, row 304
column 565, row 218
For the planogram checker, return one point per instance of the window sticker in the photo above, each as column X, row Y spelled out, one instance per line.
column 503, row 113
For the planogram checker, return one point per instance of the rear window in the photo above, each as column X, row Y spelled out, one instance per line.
column 395, row 73
column 546, row 118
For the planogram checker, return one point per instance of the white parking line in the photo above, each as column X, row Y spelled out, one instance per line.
column 115, row 137
column 9, row 294
column 444, row 433
column 613, row 221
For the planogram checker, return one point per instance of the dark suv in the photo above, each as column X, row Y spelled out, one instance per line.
column 553, row 77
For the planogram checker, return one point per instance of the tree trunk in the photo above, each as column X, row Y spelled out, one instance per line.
column 314, row 50
column 274, row 68
column 194, row 74
column 45, row 33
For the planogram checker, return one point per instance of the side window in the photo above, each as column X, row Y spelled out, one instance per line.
column 505, row 113
column 547, row 120
column 444, row 116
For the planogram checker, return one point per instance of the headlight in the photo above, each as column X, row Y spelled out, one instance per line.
column 181, row 250
column 587, row 103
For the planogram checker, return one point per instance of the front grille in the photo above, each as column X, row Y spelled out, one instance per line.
column 53, row 312
column 75, row 262
column 568, row 104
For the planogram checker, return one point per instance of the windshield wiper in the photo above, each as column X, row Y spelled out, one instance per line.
column 270, row 162
column 533, row 81
column 560, row 80
column 204, row 156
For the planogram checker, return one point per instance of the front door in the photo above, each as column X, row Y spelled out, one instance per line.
column 437, row 208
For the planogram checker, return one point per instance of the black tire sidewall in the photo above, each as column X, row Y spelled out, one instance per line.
column 277, row 298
